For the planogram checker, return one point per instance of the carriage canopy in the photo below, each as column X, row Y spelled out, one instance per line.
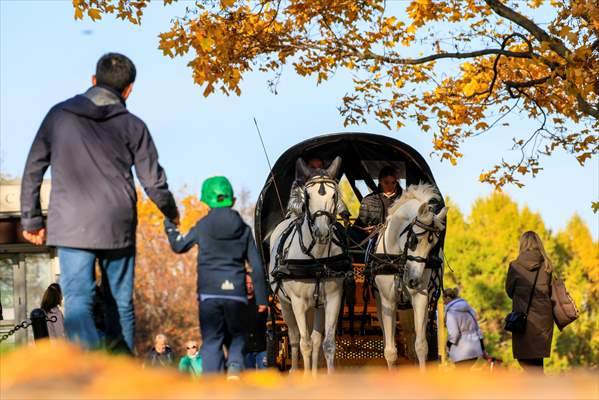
column 363, row 155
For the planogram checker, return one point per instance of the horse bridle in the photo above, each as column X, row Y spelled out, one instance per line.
column 413, row 238
column 311, row 217
column 323, row 181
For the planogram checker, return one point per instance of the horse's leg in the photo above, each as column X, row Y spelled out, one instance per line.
column 300, row 310
column 317, row 334
column 420, row 306
column 388, row 313
column 292, row 332
column 333, row 293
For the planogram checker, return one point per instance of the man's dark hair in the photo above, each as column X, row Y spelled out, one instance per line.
column 115, row 71
column 386, row 171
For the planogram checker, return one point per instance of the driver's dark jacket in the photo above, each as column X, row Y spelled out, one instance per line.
column 374, row 208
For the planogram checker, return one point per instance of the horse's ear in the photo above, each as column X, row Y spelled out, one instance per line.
column 423, row 210
column 333, row 169
column 442, row 214
column 440, row 218
column 301, row 169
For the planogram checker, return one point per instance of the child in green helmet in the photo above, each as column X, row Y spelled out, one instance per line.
column 225, row 245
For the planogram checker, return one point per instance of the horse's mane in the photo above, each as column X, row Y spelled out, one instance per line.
column 424, row 192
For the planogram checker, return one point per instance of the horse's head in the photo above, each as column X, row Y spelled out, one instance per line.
column 321, row 194
column 421, row 236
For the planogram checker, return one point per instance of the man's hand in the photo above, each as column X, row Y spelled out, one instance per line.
column 36, row 237
column 262, row 308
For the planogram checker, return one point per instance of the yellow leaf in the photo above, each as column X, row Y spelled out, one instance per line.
column 209, row 89
column 411, row 29
column 583, row 157
column 470, row 88
column 78, row 13
column 226, row 3
column 206, row 44
column 536, row 3
column 94, row 14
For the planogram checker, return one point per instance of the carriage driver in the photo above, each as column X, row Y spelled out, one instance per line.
column 375, row 206
column 296, row 197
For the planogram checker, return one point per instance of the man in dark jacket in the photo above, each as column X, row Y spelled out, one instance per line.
column 225, row 244
column 91, row 141
column 375, row 206
column 161, row 355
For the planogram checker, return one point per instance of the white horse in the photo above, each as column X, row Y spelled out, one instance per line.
column 412, row 229
column 310, row 238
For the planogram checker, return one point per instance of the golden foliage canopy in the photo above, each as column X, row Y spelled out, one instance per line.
column 506, row 63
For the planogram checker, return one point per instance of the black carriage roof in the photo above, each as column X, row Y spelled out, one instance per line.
column 363, row 154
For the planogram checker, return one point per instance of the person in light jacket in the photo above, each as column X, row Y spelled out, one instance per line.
column 464, row 337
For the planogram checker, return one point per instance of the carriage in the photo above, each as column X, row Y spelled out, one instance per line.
column 359, row 338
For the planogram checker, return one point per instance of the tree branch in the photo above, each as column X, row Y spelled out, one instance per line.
column 433, row 57
column 496, row 63
column 525, row 84
column 554, row 43
column 586, row 107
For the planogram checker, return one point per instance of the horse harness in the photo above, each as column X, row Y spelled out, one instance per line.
column 338, row 266
column 390, row 264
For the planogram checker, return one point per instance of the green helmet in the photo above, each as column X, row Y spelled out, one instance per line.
column 217, row 192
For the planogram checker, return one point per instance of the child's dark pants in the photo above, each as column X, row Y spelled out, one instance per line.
column 220, row 318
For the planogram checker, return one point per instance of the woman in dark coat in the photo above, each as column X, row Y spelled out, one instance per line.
column 534, row 344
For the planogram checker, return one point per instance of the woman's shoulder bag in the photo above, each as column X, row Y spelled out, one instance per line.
column 564, row 308
column 515, row 321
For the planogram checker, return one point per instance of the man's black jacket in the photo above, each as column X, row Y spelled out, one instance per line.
column 91, row 142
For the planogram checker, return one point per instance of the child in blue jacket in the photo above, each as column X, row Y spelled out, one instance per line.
column 225, row 244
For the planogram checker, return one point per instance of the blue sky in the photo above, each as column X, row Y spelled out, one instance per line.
column 46, row 57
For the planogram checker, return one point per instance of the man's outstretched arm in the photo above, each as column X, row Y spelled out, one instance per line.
column 152, row 177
